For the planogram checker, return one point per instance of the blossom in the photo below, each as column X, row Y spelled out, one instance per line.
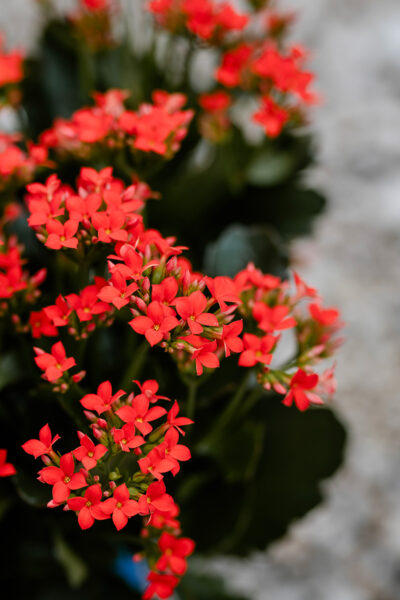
column 140, row 414
column 157, row 323
column 103, row 400
column 55, row 364
column 324, row 316
column 174, row 421
column 161, row 585
column 43, row 445
column 271, row 116
column 270, row 318
column 6, row 469
column 230, row 337
column 300, row 392
column 63, row 478
column 88, row 453
column 174, row 552
column 155, row 499
column 88, row 506
column 192, row 310
column 120, row 506
column 256, row 350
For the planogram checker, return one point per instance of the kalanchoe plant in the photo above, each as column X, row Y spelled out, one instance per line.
column 103, row 312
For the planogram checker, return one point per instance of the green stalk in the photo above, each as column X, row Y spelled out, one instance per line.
column 135, row 366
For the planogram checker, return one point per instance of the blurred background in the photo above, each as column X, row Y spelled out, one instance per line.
column 348, row 548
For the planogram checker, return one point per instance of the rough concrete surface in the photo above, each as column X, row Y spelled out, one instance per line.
column 348, row 548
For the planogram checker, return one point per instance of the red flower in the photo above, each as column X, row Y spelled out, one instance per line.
column 61, row 236
column 324, row 316
column 203, row 352
column 223, row 290
column 174, row 552
column 230, row 337
column 86, row 304
column 174, row 451
column 117, row 291
column 271, row 318
column 103, row 400
column 54, row 364
column 126, row 437
column 175, row 421
column 120, row 506
column 88, row 507
column 271, row 116
column 139, row 413
column 63, row 478
column 257, row 350
column 218, row 101
column 301, row 385
column 191, row 309
column 156, row 325
column 88, row 453
column 41, row 324
column 155, row 499
column 43, row 445
column 6, row 469
column 161, row 586
column 148, row 389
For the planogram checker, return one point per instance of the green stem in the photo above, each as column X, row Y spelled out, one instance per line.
column 191, row 399
column 229, row 412
column 135, row 366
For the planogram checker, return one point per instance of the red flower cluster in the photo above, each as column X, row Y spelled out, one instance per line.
column 207, row 19
column 80, row 313
column 158, row 128
column 18, row 166
column 196, row 319
column 82, row 481
column 279, row 77
column 92, row 23
column 11, row 73
column 101, row 211
column 16, row 283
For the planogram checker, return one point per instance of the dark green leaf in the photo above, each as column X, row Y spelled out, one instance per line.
column 238, row 245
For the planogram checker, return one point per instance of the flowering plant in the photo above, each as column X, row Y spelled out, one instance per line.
column 102, row 313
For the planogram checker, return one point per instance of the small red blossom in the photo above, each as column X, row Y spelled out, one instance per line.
column 55, row 364
column 300, row 392
column 63, row 478
column 88, row 506
column 155, row 499
column 160, row 585
column 192, row 310
column 120, row 506
column 230, row 337
column 103, row 400
column 156, row 325
column 6, row 469
column 44, row 445
column 174, row 421
column 174, row 552
column 88, row 453
column 272, row 318
column 256, row 350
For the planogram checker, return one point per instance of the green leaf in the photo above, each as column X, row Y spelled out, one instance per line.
column 238, row 245
column 10, row 370
column 263, row 472
column 271, row 167
column 75, row 569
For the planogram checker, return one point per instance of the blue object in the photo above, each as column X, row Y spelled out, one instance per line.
column 133, row 573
